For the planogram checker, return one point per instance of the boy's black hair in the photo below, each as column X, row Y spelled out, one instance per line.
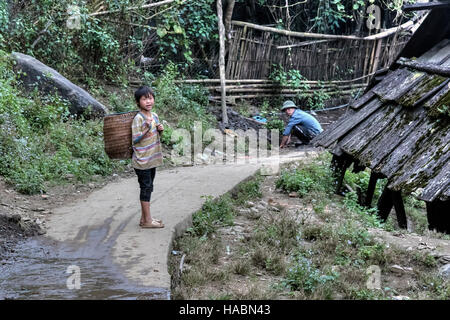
column 143, row 91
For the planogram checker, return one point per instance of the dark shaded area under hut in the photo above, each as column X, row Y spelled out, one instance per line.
column 400, row 127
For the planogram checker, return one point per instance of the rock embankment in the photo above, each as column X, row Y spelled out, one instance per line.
column 34, row 73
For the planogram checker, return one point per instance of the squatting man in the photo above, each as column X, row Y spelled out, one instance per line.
column 301, row 124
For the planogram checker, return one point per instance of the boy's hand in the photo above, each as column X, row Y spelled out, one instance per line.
column 147, row 123
column 160, row 127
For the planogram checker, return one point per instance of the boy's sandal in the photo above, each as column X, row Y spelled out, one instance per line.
column 157, row 220
column 153, row 224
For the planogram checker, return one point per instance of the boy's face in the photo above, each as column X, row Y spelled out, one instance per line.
column 146, row 102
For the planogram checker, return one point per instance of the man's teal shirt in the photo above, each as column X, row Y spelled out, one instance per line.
column 305, row 120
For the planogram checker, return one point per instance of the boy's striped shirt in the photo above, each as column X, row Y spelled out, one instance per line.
column 147, row 152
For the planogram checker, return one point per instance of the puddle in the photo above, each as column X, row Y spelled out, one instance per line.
column 41, row 268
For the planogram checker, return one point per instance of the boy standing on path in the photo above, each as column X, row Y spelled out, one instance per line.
column 147, row 153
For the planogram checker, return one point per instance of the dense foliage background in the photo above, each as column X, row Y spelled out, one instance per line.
column 109, row 46
column 41, row 144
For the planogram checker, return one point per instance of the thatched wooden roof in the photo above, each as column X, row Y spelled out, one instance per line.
column 400, row 128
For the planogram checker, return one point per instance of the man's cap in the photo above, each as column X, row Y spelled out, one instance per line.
column 288, row 104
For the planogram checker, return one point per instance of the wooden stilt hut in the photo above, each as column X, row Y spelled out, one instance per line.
column 400, row 127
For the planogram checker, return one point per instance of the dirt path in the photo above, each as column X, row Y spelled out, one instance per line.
column 105, row 224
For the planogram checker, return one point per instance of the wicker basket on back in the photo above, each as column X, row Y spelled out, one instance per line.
column 117, row 134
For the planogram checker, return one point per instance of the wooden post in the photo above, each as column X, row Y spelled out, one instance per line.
column 371, row 189
column 385, row 204
column 222, row 61
column 389, row 199
column 340, row 166
column 399, row 209
column 437, row 216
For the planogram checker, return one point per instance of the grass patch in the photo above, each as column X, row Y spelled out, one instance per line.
column 271, row 261
column 213, row 213
column 279, row 231
column 304, row 276
column 313, row 176
column 322, row 249
column 437, row 286
column 241, row 267
column 246, row 191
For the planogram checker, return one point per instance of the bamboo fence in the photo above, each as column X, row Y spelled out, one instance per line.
column 253, row 53
column 332, row 63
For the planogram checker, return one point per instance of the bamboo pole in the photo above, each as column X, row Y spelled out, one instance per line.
column 285, row 90
column 377, row 36
column 265, row 95
column 277, row 87
column 255, row 81
column 222, row 61
column 200, row 81
column 151, row 5
column 372, row 57
column 301, row 44
column 390, row 31
column 377, row 56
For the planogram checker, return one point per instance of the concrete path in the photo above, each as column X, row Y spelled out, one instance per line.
column 142, row 254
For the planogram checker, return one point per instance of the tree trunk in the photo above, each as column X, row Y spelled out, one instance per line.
column 222, row 61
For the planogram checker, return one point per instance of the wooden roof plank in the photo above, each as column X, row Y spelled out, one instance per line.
column 446, row 194
column 351, row 122
column 446, row 63
column 394, row 161
column 427, row 85
column 395, row 86
column 424, row 163
column 430, row 68
column 383, row 145
column 326, row 136
column 363, row 100
column 420, row 173
column 385, row 85
column 355, row 142
column 438, row 100
column 438, row 54
column 425, row 6
column 439, row 185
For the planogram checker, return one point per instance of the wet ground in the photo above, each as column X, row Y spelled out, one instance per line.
column 34, row 267
column 38, row 268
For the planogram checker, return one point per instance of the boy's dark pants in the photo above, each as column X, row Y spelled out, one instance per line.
column 145, row 179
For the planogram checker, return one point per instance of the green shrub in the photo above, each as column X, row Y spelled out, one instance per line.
column 212, row 214
column 311, row 177
column 303, row 275
column 275, row 123
column 369, row 215
column 248, row 191
column 186, row 103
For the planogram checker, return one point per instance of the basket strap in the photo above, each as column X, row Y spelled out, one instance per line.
column 153, row 117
